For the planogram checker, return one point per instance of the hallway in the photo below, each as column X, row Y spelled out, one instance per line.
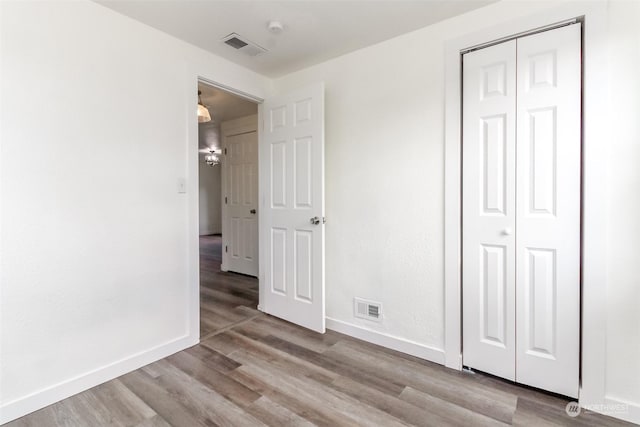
column 226, row 299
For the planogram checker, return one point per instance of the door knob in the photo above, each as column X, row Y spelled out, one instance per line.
column 315, row 220
column 507, row 231
column 252, row 211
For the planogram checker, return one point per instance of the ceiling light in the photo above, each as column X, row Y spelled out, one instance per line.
column 212, row 158
column 203, row 112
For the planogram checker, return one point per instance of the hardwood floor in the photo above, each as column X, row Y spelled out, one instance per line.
column 226, row 299
column 252, row 369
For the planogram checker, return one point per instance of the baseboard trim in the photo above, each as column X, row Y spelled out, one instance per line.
column 613, row 408
column 413, row 348
column 17, row 408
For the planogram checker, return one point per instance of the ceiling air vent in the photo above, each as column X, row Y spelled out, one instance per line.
column 243, row 45
column 367, row 309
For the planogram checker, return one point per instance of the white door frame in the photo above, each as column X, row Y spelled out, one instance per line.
column 595, row 113
column 192, row 180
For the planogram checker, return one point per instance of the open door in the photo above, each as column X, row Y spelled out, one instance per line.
column 292, row 220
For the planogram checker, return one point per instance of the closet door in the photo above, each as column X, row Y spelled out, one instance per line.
column 548, row 210
column 488, row 199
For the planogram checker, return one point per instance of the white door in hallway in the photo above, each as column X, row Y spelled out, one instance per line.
column 521, row 209
column 292, row 208
column 240, row 251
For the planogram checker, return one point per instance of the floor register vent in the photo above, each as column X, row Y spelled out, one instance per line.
column 369, row 310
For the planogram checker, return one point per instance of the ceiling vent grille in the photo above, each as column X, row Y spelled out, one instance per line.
column 369, row 310
column 243, row 45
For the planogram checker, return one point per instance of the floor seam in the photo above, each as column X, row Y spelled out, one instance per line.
column 228, row 327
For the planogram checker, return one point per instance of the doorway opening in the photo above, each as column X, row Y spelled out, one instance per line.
column 228, row 212
column 289, row 252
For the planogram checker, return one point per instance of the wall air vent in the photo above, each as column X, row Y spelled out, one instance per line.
column 243, row 45
column 369, row 310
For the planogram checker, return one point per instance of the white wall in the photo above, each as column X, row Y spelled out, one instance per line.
column 384, row 184
column 96, row 111
column 384, row 175
column 210, row 198
column 623, row 251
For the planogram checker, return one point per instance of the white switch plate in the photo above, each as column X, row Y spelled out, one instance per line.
column 182, row 185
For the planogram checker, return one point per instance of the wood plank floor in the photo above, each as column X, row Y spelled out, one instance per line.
column 251, row 369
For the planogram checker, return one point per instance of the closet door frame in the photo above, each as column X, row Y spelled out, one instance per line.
column 594, row 123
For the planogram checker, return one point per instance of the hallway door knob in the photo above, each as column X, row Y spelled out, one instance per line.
column 507, row 231
column 315, row 220
column 252, row 211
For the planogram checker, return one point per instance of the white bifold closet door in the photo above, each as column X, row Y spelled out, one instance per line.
column 521, row 209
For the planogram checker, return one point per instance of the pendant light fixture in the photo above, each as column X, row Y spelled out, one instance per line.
column 212, row 158
column 203, row 112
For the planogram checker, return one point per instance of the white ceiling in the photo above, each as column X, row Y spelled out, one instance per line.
column 314, row 31
column 222, row 106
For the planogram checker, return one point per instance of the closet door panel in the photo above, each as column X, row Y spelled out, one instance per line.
column 488, row 259
column 548, row 210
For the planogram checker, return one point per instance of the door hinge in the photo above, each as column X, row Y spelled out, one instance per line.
column 226, row 248
column 225, row 200
column 225, row 151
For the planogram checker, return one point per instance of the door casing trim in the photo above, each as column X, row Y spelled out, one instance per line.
column 193, row 76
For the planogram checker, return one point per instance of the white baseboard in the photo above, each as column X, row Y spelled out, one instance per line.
column 621, row 409
column 24, row 405
column 395, row 343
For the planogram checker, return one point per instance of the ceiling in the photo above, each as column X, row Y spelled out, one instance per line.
column 314, row 31
column 222, row 106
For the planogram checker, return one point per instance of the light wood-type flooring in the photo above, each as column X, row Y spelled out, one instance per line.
column 252, row 369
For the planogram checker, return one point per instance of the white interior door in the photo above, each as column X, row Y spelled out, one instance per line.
column 521, row 209
column 488, row 203
column 548, row 210
column 240, row 235
column 291, row 221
